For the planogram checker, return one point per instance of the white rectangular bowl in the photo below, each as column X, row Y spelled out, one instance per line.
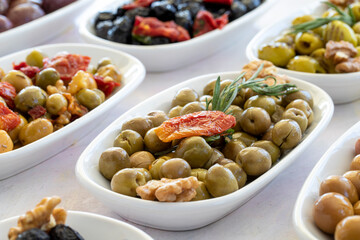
column 25, row 157
column 187, row 215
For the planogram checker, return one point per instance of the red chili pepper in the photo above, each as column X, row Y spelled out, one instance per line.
column 225, row 2
column 205, row 22
column 204, row 123
column 8, row 119
column 106, row 87
column 37, row 112
column 8, row 93
column 137, row 3
column 153, row 27
column 68, row 64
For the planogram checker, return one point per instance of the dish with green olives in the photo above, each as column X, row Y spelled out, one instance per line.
column 129, row 153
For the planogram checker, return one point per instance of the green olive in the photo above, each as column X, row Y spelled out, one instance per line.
column 127, row 180
column 302, row 19
column 195, row 150
column 146, row 173
column 14, row 134
column 305, row 64
column 46, row 77
column 103, row 62
column 201, row 192
column 113, row 160
column 236, row 111
column 277, row 115
column 220, row 181
column 255, row 121
column 306, row 43
column 303, row 106
column 356, row 28
column 192, row 107
column 89, row 98
column 35, row 130
column 238, row 172
column 199, row 173
column 301, row 94
column 298, row 116
column 287, row 39
column 30, row 97
column 100, row 93
column 326, row 64
column 244, row 137
column 138, row 124
column 35, row 58
column 254, row 160
column 337, row 30
column 214, row 158
column 278, row 53
column 261, row 101
column 224, row 161
column 56, row 103
column 157, row 117
column 286, row 134
column 175, row 111
column 232, row 149
column 184, row 96
column 209, row 88
column 268, row 134
column 130, row 141
column 270, row 147
column 18, row 79
column 142, row 159
column 205, row 98
column 153, row 143
column 155, row 168
column 175, row 168
column 355, row 7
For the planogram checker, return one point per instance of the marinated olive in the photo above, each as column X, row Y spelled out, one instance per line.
column 5, row 23
column 120, row 31
column 146, row 173
column 355, row 163
column 325, row 63
column 255, row 120
column 48, row 76
column 6, row 144
column 14, row 133
column 270, row 147
column 302, row 19
column 357, row 208
column 303, row 106
column 348, row 228
column 232, row 149
column 155, row 168
column 298, row 116
column 305, row 64
column 175, row 168
column 163, row 10
column 337, row 31
column 214, row 158
column 301, row 94
column 175, row 111
column 61, row 231
column 157, row 117
column 277, row 115
column 35, row 130
column 195, row 150
column 184, row 96
column 205, row 98
column 354, row 177
column 339, row 184
column 199, row 173
column 306, row 43
column 357, row 147
column 237, row 10
column 30, row 97
column 201, row 192
column 100, row 93
column 183, row 18
column 18, row 79
column 142, row 159
column 102, row 28
column 24, row 13
column 192, row 107
column 127, row 180
column 138, row 124
column 130, row 141
column 236, row 111
column 330, row 209
column 35, row 58
column 268, row 134
column 254, row 160
column 209, row 88
column 238, row 172
column 56, row 103
column 265, row 102
column 112, row 160
column 53, row 5
column 286, row 134
column 220, row 181
column 153, row 143
column 278, row 53
column 89, row 98
column 356, row 27
column 244, row 137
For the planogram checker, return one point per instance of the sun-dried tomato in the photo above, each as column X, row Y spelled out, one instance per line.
column 37, row 112
column 68, row 64
column 153, row 27
column 204, row 123
column 29, row 71
column 205, row 22
column 8, row 93
column 8, row 119
column 107, row 87
column 137, row 3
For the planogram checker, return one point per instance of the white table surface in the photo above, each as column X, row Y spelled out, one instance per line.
column 266, row 216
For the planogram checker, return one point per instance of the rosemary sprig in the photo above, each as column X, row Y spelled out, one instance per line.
column 347, row 18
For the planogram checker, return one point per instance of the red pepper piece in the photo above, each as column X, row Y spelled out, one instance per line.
column 106, row 87
column 68, row 64
column 153, row 27
column 37, row 112
column 29, row 71
column 8, row 93
column 8, row 119
column 204, row 123
column 225, row 2
column 205, row 22
column 137, row 3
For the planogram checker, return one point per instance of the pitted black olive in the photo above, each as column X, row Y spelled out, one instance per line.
column 163, row 10
column 139, row 11
column 33, row 234
column 104, row 16
column 237, row 10
column 102, row 28
column 61, row 232
column 183, row 18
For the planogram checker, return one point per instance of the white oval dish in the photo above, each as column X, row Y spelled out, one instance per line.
column 336, row 161
column 91, row 226
column 41, row 29
column 176, row 55
column 342, row 87
column 27, row 156
column 187, row 215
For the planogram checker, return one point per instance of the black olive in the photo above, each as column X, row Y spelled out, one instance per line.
column 216, row 9
column 193, row 7
column 120, row 12
column 251, row 4
column 33, row 234
column 102, row 28
column 237, row 10
column 121, row 31
column 183, row 18
column 140, row 11
column 104, row 16
column 159, row 40
column 163, row 10
column 61, row 232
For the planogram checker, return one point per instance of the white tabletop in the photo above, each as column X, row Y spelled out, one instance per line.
column 266, row 216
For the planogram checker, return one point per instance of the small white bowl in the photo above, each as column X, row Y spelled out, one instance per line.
column 27, row 156
column 159, row 58
column 41, row 29
column 342, row 87
column 187, row 215
column 91, row 226
column 336, row 161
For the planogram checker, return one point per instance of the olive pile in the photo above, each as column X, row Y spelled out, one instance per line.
column 305, row 51
column 338, row 208
column 266, row 127
column 59, row 232
column 117, row 25
column 14, row 13
column 54, row 103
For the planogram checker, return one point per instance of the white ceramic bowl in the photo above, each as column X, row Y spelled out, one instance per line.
column 25, row 157
column 336, row 161
column 342, row 87
column 91, row 226
column 159, row 58
column 188, row 215
column 42, row 29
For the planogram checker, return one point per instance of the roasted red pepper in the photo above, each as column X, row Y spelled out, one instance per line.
column 68, row 64
column 205, row 22
column 204, row 123
column 225, row 2
column 153, row 27
column 8, row 93
column 106, row 87
column 8, row 119
column 37, row 112
column 137, row 3
column 29, row 71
